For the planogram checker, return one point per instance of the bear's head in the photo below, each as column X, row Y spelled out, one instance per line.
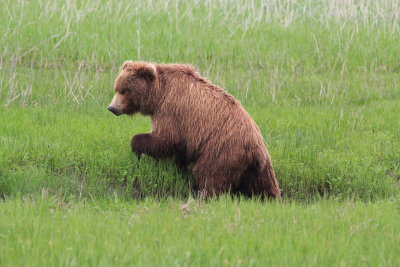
column 134, row 89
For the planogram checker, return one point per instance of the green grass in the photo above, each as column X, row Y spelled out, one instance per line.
column 320, row 78
column 348, row 152
column 224, row 232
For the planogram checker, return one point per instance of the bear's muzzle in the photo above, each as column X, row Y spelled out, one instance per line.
column 113, row 110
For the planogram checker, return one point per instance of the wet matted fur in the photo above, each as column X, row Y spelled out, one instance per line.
column 197, row 123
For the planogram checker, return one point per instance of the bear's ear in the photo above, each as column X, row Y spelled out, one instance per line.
column 147, row 71
column 128, row 65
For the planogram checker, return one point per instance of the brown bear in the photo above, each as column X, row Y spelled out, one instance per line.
column 197, row 123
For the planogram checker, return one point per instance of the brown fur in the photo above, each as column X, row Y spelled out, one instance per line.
column 199, row 123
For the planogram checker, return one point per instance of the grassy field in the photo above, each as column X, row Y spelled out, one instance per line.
column 320, row 78
column 224, row 232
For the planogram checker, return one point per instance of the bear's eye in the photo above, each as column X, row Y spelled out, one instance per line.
column 123, row 91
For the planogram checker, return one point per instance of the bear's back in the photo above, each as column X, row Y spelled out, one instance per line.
column 205, row 113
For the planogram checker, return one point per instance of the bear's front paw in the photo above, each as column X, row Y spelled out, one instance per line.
column 137, row 144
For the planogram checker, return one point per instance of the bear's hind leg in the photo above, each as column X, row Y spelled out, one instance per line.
column 249, row 184
column 213, row 180
column 211, row 186
column 253, row 182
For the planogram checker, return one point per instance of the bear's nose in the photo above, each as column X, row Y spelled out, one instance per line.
column 113, row 110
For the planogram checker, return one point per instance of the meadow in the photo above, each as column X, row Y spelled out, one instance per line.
column 320, row 78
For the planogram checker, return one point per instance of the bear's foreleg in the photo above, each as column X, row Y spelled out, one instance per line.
column 151, row 145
